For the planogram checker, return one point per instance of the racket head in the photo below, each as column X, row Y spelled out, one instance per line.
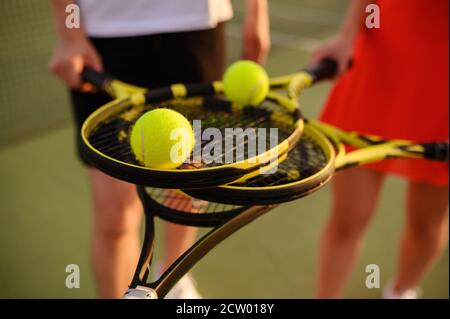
column 177, row 207
column 105, row 136
column 308, row 167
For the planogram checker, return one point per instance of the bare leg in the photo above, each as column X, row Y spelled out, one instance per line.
column 115, row 238
column 178, row 238
column 355, row 196
column 425, row 234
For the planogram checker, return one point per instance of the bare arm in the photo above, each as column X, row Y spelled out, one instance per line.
column 256, row 31
column 73, row 49
column 354, row 19
column 340, row 47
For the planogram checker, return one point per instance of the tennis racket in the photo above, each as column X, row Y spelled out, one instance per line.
column 176, row 207
column 321, row 151
column 105, row 132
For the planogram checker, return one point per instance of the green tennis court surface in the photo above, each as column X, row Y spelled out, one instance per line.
column 45, row 201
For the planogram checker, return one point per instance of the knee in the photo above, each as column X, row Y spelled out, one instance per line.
column 117, row 217
column 427, row 232
column 347, row 228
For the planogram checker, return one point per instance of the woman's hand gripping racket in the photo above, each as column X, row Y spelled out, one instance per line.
column 106, row 132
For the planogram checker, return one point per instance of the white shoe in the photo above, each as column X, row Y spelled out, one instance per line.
column 185, row 288
column 389, row 293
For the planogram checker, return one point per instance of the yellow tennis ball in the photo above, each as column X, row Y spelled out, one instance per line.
column 246, row 82
column 162, row 138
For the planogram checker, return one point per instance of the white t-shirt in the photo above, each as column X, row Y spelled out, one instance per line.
column 113, row 18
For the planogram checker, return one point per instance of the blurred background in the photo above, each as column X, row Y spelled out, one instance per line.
column 44, row 195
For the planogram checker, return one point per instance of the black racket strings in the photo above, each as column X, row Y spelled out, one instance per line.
column 110, row 137
column 178, row 201
column 306, row 159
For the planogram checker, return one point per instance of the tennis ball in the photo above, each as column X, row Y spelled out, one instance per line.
column 162, row 138
column 246, row 82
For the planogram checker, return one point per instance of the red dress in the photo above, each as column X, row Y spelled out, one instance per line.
column 398, row 86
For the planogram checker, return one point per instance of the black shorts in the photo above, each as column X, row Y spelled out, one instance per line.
column 154, row 61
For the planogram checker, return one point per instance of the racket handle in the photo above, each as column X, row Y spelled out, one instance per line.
column 437, row 151
column 95, row 78
column 325, row 69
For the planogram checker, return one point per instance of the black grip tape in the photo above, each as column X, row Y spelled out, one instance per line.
column 98, row 79
column 158, row 95
column 199, row 89
column 166, row 93
column 325, row 69
column 436, row 151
